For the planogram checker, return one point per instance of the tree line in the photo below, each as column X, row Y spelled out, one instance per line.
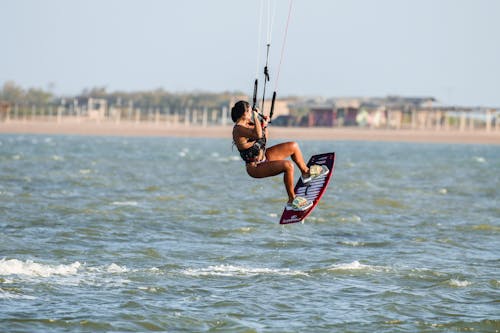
column 159, row 98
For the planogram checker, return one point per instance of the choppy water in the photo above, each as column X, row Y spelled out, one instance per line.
column 162, row 234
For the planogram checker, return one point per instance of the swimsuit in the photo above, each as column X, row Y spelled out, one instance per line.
column 252, row 153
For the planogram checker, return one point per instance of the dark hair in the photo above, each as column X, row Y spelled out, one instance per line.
column 239, row 109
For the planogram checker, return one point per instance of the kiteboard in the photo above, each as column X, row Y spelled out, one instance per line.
column 313, row 190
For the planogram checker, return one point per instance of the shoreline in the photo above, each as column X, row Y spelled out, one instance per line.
column 151, row 129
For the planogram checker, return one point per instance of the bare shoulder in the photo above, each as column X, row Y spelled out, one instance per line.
column 242, row 131
column 236, row 132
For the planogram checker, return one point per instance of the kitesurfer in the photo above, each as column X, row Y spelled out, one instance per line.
column 250, row 135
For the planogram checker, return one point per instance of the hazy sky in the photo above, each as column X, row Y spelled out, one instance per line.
column 449, row 49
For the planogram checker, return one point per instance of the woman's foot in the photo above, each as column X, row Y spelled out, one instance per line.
column 315, row 171
column 299, row 204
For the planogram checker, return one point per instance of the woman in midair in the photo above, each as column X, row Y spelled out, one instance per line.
column 250, row 135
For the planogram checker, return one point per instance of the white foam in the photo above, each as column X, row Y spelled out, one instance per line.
column 351, row 218
column 72, row 274
column 356, row 266
column 114, row 268
column 30, row 268
column 111, row 268
column 230, row 270
column 150, row 289
column 125, row 203
column 480, row 159
column 352, row 243
column 458, row 283
column 184, row 152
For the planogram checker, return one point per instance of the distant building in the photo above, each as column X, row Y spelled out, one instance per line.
column 322, row 115
column 91, row 107
column 281, row 106
column 362, row 111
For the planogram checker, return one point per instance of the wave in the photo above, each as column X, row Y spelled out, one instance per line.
column 114, row 268
column 351, row 243
column 31, row 268
column 9, row 295
column 13, row 270
column 357, row 266
column 479, row 159
column 459, row 283
column 125, row 203
column 484, row 325
column 239, row 271
column 74, row 274
column 354, row 267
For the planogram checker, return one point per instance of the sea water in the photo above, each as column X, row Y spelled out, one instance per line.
column 107, row 234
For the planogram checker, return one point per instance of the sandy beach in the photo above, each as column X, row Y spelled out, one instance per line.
column 71, row 127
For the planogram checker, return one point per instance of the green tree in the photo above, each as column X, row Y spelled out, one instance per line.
column 12, row 93
column 38, row 97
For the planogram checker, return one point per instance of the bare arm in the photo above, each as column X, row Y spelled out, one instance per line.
column 244, row 137
column 242, row 134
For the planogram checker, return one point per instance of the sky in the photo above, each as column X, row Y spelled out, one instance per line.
column 448, row 49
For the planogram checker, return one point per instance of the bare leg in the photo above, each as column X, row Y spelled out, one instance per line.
column 273, row 168
column 287, row 149
column 277, row 163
